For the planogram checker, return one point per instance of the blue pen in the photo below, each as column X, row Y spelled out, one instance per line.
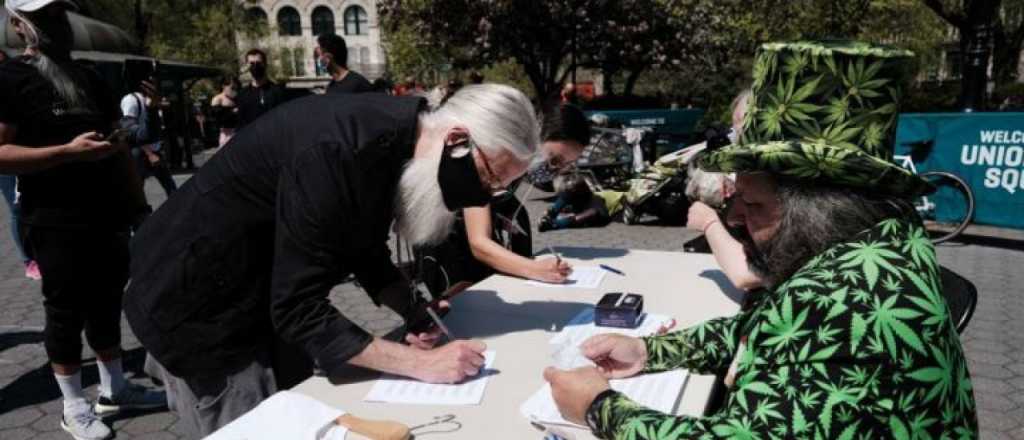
column 611, row 269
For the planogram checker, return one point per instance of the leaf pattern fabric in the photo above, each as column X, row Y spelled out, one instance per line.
column 858, row 344
column 826, row 111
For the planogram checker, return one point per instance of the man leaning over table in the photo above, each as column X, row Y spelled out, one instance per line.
column 852, row 339
column 230, row 277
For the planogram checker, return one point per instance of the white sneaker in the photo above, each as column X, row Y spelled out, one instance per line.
column 85, row 425
column 133, row 396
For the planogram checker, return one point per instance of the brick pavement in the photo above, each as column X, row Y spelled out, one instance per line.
column 30, row 406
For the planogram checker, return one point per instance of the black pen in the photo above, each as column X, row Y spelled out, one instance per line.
column 611, row 269
column 440, row 323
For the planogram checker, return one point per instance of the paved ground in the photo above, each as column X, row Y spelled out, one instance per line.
column 30, row 406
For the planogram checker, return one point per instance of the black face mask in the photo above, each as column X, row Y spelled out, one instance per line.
column 258, row 70
column 459, row 179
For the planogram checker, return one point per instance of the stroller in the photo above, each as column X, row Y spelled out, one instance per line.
column 608, row 162
column 660, row 189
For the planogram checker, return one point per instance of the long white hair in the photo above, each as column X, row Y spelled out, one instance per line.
column 498, row 117
column 67, row 88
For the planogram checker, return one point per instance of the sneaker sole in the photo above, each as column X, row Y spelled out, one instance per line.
column 102, row 410
column 66, row 429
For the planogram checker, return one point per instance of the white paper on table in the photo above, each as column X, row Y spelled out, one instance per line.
column 582, row 277
column 658, row 391
column 582, row 326
column 285, row 415
column 396, row 389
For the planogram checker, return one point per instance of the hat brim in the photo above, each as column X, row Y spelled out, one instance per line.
column 34, row 6
column 817, row 162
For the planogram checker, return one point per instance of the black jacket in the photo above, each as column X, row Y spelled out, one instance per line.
column 256, row 239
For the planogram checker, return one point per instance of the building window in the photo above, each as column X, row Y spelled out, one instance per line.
column 323, row 21
column 285, row 58
column 355, row 21
column 299, row 55
column 256, row 16
column 288, row 22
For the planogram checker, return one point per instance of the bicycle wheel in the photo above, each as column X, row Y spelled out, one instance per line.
column 952, row 209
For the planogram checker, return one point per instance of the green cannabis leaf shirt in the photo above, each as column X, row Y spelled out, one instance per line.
column 858, row 344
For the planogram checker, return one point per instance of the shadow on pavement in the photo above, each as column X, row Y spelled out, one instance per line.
column 38, row 386
column 584, row 253
column 987, row 241
column 14, row 339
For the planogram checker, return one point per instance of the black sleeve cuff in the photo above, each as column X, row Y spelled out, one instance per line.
column 335, row 356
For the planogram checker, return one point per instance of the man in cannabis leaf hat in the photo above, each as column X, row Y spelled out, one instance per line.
column 852, row 339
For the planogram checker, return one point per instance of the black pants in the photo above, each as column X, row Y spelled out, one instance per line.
column 161, row 171
column 84, row 275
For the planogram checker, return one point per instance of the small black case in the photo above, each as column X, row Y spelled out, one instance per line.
column 618, row 309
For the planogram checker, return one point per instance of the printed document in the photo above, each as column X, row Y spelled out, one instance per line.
column 582, row 327
column 395, row 389
column 659, row 391
column 582, row 277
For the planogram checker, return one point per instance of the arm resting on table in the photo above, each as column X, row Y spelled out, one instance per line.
column 489, row 252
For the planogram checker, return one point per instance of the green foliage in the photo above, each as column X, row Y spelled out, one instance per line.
column 407, row 55
column 204, row 32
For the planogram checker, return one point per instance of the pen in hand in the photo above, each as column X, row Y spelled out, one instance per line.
column 558, row 259
column 440, row 324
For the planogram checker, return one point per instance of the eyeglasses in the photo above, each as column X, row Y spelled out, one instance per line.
column 489, row 178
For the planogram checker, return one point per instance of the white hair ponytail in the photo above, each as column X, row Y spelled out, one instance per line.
column 66, row 87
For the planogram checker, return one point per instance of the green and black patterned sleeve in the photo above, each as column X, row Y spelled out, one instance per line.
column 706, row 348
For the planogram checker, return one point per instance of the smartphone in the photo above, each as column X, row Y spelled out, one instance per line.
column 138, row 70
column 118, row 136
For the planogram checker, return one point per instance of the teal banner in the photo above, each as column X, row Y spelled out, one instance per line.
column 673, row 128
column 984, row 149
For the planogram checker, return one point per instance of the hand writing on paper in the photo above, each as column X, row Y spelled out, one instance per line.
column 452, row 362
column 551, row 270
column 428, row 339
column 574, row 390
column 616, row 356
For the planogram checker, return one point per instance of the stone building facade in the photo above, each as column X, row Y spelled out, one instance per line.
column 294, row 25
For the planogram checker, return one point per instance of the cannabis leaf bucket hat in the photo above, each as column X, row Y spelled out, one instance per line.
column 824, row 111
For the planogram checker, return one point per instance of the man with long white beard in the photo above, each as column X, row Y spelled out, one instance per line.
column 235, row 268
column 79, row 198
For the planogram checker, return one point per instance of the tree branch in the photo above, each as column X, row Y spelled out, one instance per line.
column 957, row 20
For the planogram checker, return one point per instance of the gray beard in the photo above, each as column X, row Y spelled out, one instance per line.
column 421, row 215
column 66, row 86
column 762, row 260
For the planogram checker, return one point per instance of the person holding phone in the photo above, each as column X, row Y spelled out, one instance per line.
column 79, row 197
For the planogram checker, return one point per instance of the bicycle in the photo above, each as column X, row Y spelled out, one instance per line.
column 955, row 208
